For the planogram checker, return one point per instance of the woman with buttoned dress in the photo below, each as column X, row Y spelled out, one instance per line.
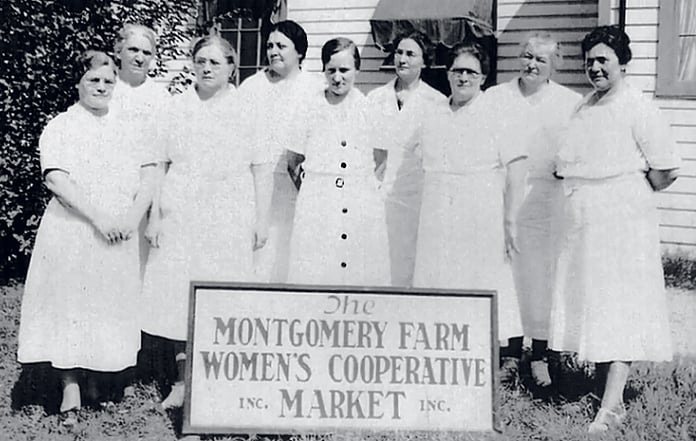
column 271, row 93
column 609, row 302
column 400, row 105
column 545, row 107
column 80, row 308
column 212, row 211
column 339, row 235
column 473, row 184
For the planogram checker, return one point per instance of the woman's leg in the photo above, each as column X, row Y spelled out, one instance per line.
column 71, row 390
column 612, row 411
column 539, row 363
column 176, row 395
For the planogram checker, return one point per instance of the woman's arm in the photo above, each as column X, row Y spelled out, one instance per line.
column 69, row 194
column 154, row 220
column 516, row 171
column 143, row 199
column 263, row 191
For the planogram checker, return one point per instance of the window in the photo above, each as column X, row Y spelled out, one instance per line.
column 676, row 49
column 245, row 35
column 244, row 24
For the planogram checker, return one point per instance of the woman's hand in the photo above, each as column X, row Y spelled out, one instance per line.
column 153, row 231
column 260, row 235
column 108, row 228
column 511, row 248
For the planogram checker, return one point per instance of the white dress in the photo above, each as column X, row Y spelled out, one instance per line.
column 80, row 307
column 403, row 181
column 461, row 242
column 339, row 235
column 545, row 114
column 208, row 208
column 272, row 114
column 609, row 300
column 143, row 107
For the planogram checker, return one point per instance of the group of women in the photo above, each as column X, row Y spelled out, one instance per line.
column 526, row 188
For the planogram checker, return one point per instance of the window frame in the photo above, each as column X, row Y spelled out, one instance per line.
column 238, row 31
column 667, row 84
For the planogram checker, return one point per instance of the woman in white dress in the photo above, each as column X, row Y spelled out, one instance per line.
column 80, row 306
column 609, row 302
column 473, row 184
column 545, row 107
column 138, row 98
column 399, row 106
column 213, row 208
column 271, row 93
column 339, row 236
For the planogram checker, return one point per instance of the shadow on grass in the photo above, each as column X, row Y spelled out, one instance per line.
column 39, row 385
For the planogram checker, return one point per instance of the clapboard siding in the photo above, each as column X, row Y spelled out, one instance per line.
column 326, row 19
column 568, row 22
column 678, row 203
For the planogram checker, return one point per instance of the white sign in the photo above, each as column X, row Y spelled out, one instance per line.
column 301, row 359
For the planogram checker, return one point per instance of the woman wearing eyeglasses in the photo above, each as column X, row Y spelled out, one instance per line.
column 473, row 183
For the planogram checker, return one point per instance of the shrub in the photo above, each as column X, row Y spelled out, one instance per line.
column 39, row 40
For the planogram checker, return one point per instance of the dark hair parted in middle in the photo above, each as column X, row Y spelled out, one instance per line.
column 336, row 45
column 469, row 48
column 295, row 33
column 89, row 60
column 421, row 40
column 614, row 37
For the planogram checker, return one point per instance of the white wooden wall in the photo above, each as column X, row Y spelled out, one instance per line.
column 567, row 21
column 677, row 203
column 326, row 19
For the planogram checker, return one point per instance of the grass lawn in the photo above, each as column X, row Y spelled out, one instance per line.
column 661, row 398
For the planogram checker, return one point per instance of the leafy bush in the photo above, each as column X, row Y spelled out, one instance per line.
column 39, row 40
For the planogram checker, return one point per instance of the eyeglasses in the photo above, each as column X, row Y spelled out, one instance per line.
column 460, row 72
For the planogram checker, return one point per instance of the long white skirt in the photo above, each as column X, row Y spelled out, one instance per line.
column 535, row 266
column 609, row 301
column 461, row 242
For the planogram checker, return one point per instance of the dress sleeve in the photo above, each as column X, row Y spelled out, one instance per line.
column 654, row 137
column 55, row 149
column 511, row 133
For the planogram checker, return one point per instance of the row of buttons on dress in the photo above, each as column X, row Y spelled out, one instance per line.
column 339, row 184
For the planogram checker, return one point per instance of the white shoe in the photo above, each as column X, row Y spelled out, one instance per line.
column 540, row 373
column 175, row 399
column 71, row 398
column 606, row 419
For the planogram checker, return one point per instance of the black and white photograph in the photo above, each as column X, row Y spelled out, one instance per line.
column 329, row 220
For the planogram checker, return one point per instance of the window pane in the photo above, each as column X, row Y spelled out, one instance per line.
column 687, row 58
column 248, row 49
column 250, row 23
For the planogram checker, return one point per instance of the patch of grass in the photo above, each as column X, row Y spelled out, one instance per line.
column 680, row 271
column 660, row 398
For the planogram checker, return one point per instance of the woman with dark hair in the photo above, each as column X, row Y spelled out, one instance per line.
column 473, row 184
column 214, row 200
column 80, row 306
column 609, row 302
column 545, row 107
column 399, row 106
column 339, row 236
column 273, row 95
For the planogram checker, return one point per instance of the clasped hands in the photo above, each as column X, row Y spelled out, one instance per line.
column 116, row 229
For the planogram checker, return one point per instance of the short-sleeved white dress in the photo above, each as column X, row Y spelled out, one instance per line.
column 272, row 115
column 339, row 235
column 403, row 179
column 143, row 108
column 81, row 298
column 609, row 300
column 545, row 115
column 207, row 205
column 461, row 241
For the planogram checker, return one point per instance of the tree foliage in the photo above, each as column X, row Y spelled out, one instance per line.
column 39, row 42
